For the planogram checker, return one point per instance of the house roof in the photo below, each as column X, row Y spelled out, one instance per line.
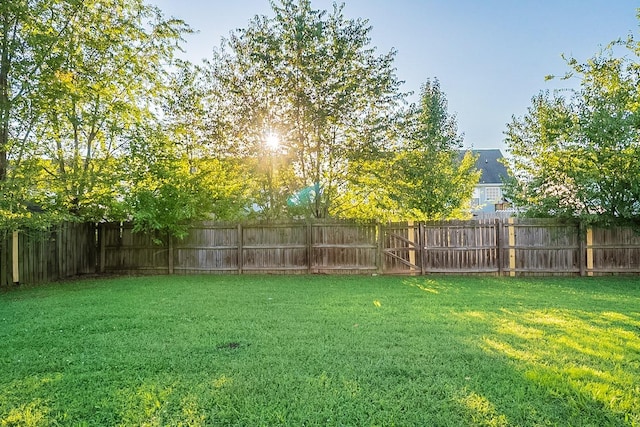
column 493, row 171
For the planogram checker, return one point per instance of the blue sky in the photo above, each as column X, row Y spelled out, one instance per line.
column 491, row 56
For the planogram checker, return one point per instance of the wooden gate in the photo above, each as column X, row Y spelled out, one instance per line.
column 455, row 247
column 402, row 248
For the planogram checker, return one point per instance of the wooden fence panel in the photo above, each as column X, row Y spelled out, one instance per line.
column 75, row 249
column 47, row 255
column 275, row 248
column 544, row 247
column 461, row 247
column 66, row 253
column 208, row 248
column 35, row 248
column 126, row 252
column 514, row 247
column 346, row 248
column 614, row 251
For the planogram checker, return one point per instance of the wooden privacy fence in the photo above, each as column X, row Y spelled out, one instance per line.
column 43, row 256
column 500, row 247
column 250, row 248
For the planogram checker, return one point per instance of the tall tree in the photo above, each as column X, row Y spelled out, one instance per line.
column 431, row 178
column 541, row 148
column 311, row 77
column 29, row 32
column 423, row 176
column 79, row 82
column 107, row 75
column 579, row 156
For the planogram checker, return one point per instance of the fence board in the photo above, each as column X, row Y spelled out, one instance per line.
column 208, row 248
column 346, row 248
column 126, row 252
column 275, row 248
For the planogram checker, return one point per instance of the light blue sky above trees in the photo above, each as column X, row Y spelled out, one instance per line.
column 491, row 56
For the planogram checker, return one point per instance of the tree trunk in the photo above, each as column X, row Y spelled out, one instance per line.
column 4, row 98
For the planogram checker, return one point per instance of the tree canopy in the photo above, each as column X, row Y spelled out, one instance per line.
column 424, row 175
column 312, row 78
column 79, row 85
column 578, row 156
column 432, row 178
column 296, row 115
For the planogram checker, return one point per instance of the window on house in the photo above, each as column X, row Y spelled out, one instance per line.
column 493, row 194
column 475, row 198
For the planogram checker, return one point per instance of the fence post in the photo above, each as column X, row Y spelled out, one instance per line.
column 512, row 248
column 421, row 239
column 170, row 254
column 103, row 246
column 498, row 223
column 582, row 249
column 240, row 261
column 589, row 251
column 380, row 254
column 15, row 264
column 411, row 238
column 309, row 233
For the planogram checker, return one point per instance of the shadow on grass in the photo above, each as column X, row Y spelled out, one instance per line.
column 545, row 358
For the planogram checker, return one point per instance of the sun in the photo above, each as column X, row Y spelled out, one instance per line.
column 273, row 141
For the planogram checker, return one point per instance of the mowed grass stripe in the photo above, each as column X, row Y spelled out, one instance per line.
column 321, row 350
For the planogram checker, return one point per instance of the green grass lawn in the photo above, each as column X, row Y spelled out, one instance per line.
column 322, row 351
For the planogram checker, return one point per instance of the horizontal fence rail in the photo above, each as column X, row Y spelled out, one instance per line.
column 509, row 247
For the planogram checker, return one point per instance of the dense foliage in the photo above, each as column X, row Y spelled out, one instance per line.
column 578, row 156
column 346, row 137
column 312, row 79
column 100, row 121
column 423, row 176
column 431, row 179
column 79, row 87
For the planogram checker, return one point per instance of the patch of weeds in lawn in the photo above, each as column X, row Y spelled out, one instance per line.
column 30, row 414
